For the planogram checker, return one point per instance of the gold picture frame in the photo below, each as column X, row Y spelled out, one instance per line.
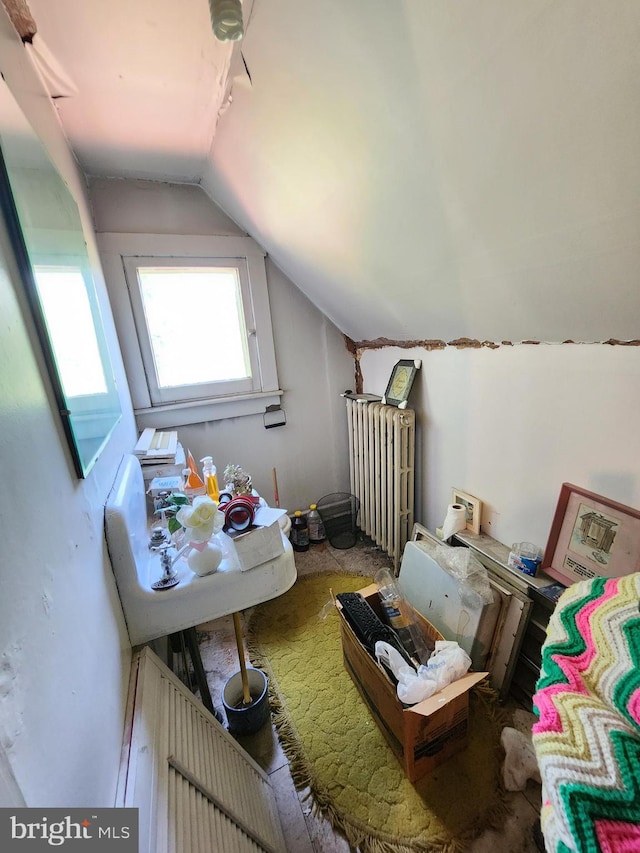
column 473, row 507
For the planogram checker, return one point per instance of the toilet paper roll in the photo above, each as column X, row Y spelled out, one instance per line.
column 455, row 520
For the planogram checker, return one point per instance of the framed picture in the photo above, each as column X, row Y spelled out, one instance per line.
column 400, row 382
column 591, row 536
column 473, row 508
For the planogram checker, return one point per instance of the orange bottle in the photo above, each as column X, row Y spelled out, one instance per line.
column 193, row 485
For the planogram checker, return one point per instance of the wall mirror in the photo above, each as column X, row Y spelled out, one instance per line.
column 45, row 230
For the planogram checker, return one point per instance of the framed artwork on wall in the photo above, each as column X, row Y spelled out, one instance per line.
column 591, row 536
column 401, row 382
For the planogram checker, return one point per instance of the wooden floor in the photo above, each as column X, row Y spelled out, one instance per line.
column 306, row 832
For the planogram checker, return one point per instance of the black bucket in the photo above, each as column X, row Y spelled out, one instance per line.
column 246, row 719
column 339, row 514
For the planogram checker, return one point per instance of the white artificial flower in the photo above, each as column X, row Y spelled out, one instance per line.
column 202, row 519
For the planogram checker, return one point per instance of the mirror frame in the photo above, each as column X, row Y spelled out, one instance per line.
column 82, row 462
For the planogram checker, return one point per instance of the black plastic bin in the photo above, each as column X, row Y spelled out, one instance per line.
column 339, row 514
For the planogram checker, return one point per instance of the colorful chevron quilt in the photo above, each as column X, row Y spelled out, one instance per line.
column 587, row 739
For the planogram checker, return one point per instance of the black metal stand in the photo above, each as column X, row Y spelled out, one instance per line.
column 185, row 644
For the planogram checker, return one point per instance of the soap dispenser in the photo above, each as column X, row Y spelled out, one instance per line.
column 210, row 478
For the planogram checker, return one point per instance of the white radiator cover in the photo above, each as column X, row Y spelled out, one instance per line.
column 196, row 789
column 381, row 463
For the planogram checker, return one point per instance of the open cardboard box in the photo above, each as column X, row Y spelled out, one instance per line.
column 262, row 541
column 422, row 736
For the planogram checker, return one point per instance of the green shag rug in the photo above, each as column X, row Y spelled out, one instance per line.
column 336, row 749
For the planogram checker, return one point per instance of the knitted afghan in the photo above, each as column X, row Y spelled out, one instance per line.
column 587, row 740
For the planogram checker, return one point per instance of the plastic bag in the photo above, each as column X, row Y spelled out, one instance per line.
column 447, row 663
column 472, row 576
column 400, row 616
column 520, row 762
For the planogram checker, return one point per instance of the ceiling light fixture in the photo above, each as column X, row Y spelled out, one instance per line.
column 226, row 19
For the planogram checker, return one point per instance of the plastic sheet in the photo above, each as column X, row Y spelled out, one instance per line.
column 329, row 607
column 472, row 576
column 400, row 616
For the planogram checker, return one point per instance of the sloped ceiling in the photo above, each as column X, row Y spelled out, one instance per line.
column 419, row 169
column 150, row 80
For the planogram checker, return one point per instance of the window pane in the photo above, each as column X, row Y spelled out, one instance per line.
column 73, row 334
column 196, row 324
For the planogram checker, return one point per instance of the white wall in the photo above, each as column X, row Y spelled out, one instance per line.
column 64, row 650
column 314, row 367
column 443, row 169
column 510, row 425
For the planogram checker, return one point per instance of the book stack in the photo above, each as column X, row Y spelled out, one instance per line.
column 155, row 446
column 160, row 453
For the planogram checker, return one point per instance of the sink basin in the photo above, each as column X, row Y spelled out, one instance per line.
column 150, row 613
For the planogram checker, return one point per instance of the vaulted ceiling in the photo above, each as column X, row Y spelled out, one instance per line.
column 420, row 169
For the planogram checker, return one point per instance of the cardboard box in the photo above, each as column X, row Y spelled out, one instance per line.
column 422, row 736
column 164, row 484
column 262, row 542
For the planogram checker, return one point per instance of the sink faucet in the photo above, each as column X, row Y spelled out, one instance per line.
column 167, row 561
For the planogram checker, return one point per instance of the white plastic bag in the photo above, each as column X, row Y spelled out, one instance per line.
column 447, row 663
column 520, row 762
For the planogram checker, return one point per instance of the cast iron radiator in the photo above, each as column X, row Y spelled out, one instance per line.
column 381, row 463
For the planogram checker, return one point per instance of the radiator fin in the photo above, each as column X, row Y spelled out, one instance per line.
column 381, row 463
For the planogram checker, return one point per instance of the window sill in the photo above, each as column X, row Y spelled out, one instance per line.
column 199, row 411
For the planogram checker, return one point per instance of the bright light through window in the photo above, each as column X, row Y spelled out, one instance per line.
column 72, row 334
column 193, row 318
column 196, row 324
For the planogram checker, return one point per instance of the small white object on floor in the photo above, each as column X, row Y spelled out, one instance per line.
column 520, row 762
column 524, row 721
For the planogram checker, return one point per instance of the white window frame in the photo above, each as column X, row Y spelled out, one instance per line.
column 119, row 254
column 205, row 327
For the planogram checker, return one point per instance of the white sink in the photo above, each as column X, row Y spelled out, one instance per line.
column 150, row 613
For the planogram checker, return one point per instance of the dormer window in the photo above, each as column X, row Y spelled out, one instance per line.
column 192, row 315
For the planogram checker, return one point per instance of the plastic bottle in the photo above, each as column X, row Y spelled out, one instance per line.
column 399, row 616
column 299, row 532
column 193, row 485
column 315, row 525
column 210, row 478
